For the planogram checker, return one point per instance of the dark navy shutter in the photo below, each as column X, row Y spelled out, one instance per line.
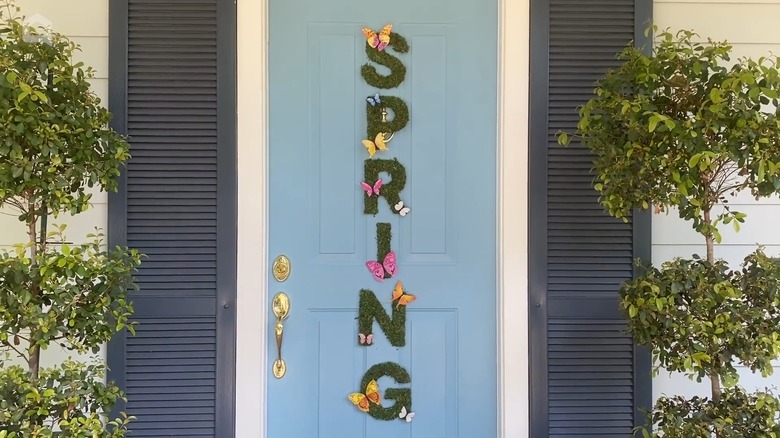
column 588, row 378
column 172, row 91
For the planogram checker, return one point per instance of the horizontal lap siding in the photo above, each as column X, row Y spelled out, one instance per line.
column 589, row 364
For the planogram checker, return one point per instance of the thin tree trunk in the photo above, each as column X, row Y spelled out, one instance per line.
column 710, row 239
column 34, row 358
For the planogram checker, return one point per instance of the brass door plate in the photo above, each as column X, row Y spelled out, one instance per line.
column 281, row 268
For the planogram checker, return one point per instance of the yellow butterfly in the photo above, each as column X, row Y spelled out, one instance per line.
column 361, row 400
column 401, row 295
column 380, row 41
column 377, row 144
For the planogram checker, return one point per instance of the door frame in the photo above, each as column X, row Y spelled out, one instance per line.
column 512, row 329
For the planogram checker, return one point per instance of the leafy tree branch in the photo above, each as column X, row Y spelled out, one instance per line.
column 55, row 146
column 684, row 128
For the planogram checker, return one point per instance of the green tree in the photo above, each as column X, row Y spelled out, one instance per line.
column 56, row 144
column 684, row 128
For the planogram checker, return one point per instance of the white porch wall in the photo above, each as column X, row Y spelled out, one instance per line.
column 86, row 23
column 751, row 26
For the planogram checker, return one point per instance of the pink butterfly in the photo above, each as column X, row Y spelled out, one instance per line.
column 372, row 190
column 366, row 339
column 388, row 265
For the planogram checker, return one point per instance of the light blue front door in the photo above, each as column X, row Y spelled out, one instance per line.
column 445, row 247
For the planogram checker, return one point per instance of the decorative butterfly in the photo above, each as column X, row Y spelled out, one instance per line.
column 377, row 144
column 372, row 395
column 374, row 101
column 408, row 416
column 366, row 339
column 401, row 296
column 379, row 41
column 403, row 211
column 387, row 265
column 372, row 190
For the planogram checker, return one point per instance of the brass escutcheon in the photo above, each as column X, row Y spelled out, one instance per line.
column 281, row 268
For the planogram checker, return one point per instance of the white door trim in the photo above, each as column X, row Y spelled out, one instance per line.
column 513, row 188
column 252, row 266
column 252, row 309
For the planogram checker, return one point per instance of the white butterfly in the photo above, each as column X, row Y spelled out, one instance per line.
column 407, row 415
column 403, row 211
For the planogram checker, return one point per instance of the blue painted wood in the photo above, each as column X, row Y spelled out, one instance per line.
column 446, row 247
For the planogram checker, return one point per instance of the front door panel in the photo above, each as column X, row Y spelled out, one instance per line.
column 445, row 247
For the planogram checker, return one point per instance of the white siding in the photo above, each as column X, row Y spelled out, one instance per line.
column 751, row 26
column 86, row 23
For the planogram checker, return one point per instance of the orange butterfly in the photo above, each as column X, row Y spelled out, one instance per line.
column 361, row 400
column 400, row 294
column 380, row 41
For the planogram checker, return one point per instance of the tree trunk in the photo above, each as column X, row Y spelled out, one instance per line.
column 34, row 350
column 710, row 239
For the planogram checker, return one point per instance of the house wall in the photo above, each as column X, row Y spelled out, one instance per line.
column 86, row 23
column 752, row 29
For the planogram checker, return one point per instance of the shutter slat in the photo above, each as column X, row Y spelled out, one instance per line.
column 590, row 359
column 183, row 361
column 170, row 364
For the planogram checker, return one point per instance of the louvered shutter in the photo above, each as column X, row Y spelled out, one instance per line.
column 588, row 377
column 177, row 370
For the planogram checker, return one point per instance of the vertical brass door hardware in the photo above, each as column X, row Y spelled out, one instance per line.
column 281, row 309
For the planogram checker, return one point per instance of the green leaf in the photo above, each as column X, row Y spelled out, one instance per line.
column 41, row 96
column 715, row 95
column 653, row 123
